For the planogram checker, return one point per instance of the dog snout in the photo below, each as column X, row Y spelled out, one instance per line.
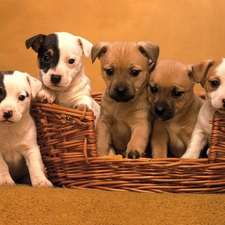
column 159, row 111
column 55, row 79
column 121, row 91
column 8, row 114
column 223, row 102
column 162, row 111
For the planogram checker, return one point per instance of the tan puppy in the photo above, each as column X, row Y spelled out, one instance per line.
column 174, row 106
column 123, row 123
column 211, row 75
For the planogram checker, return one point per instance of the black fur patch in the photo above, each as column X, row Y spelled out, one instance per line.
column 48, row 53
column 2, row 86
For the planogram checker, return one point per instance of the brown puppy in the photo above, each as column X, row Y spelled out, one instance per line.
column 174, row 106
column 123, row 123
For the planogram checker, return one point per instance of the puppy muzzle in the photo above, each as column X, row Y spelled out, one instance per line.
column 162, row 112
column 121, row 94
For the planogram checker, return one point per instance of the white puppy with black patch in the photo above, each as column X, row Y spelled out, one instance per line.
column 61, row 70
column 20, row 158
column 211, row 75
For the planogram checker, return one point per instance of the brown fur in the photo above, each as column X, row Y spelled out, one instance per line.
column 124, row 122
column 175, row 116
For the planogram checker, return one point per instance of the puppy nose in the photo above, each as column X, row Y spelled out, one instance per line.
column 121, row 91
column 159, row 111
column 7, row 114
column 55, row 79
column 223, row 101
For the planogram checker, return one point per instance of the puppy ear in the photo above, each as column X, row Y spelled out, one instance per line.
column 85, row 45
column 99, row 49
column 35, row 42
column 35, row 85
column 200, row 71
column 150, row 50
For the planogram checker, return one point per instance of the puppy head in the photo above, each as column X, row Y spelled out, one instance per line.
column 16, row 91
column 125, row 66
column 59, row 58
column 170, row 89
column 211, row 75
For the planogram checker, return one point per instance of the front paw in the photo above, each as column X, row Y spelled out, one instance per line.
column 190, row 155
column 45, row 183
column 7, row 181
column 82, row 107
column 132, row 154
column 45, row 96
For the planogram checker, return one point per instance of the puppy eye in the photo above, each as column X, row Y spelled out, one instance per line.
column 134, row 73
column 22, row 97
column 177, row 94
column 71, row 61
column 153, row 89
column 46, row 59
column 109, row 72
column 214, row 83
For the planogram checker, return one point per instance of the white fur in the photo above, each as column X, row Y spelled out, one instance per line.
column 18, row 133
column 202, row 131
column 74, row 88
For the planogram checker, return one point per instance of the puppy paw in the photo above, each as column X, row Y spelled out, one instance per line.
column 7, row 182
column 45, row 183
column 132, row 154
column 45, row 96
column 190, row 156
column 82, row 107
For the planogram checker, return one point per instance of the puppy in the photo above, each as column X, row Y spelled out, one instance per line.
column 61, row 70
column 174, row 106
column 123, row 123
column 19, row 153
column 211, row 75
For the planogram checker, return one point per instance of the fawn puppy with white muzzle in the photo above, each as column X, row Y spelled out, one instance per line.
column 124, row 124
column 174, row 106
column 211, row 75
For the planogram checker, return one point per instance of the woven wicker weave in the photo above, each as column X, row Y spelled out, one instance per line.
column 68, row 147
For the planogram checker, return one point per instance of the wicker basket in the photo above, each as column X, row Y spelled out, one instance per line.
column 68, row 147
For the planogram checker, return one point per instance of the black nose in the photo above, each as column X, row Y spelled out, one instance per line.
column 7, row 114
column 121, row 91
column 159, row 111
column 55, row 79
column 223, row 101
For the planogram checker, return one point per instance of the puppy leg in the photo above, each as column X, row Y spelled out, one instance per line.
column 85, row 100
column 104, row 139
column 197, row 143
column 5, row 178
column 36, row 168
column 159, row 140
column 139, row 140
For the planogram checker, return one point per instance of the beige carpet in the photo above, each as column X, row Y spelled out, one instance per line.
column 27, row 205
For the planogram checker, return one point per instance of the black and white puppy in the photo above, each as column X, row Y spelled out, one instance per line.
column 20, row 158
column 61, row 70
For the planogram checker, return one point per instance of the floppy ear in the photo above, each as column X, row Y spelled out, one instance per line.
column 35, row 85
column 99, row 49
column 200, row 71
column 35, row 42
column 85, row 45
column 150, row 50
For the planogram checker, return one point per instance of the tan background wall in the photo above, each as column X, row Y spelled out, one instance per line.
column 186, row 30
